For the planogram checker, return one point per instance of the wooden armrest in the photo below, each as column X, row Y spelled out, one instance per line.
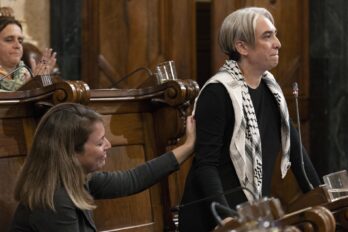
column 316, row 218
column 317, row 196
column 339, row 209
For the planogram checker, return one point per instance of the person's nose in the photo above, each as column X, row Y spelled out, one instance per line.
column 107, row 144
column 277, row 43
column 17, row 44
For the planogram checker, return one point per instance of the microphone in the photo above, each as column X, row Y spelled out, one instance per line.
column 15, row 70
column 178, row 207
column 214, row 205
column 295, row 93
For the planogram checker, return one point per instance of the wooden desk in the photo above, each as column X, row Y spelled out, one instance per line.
column 140, row 124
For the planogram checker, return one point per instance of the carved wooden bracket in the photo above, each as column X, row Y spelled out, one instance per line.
column 317, row 218
column 169, row 103
column 171, row 121
column 71, row 91
column 178, row 92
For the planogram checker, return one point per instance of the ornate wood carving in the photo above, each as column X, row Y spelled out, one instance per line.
column 317, row 219
column 71, row 91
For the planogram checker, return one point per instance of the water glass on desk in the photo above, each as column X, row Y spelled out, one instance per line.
column 165, row 71
column 259, row 215
column 337, row 184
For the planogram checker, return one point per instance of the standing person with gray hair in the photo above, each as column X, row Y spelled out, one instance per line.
column 243, row 125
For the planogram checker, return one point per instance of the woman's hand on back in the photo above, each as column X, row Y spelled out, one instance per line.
column 184, row 151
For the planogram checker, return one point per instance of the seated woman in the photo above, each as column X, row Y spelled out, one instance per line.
column 58, row 182
column 13, row 72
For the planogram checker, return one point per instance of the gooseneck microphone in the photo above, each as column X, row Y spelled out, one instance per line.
column 295, row 93
column 215, row 205
column 15, row 70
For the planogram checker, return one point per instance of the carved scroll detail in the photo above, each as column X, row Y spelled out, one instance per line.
column 180, row 95
column 71, row 91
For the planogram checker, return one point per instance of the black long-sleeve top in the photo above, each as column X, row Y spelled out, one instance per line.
column 212, row 172
column 102, row 185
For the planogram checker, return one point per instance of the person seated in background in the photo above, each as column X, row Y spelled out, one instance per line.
column 12, row 76
column 32, row 55
column 60, row 180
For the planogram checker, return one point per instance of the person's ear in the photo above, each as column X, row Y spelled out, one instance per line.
column 241, row 47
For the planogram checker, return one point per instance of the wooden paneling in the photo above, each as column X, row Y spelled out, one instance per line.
column 126, row 211
column 16, row 132
column 12, row 135
column 219, row 10
column 133, row 34
column 9, row 168
column 125, row 129
column 203, row 37
column 128, row 134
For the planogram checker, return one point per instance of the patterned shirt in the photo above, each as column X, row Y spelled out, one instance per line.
column 14, row 81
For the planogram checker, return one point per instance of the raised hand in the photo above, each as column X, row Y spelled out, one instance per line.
column 46, row 63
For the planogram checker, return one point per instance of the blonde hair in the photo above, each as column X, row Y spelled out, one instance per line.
column 52, row 162
column 240, row 26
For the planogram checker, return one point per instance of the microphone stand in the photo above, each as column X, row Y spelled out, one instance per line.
column 215, row 205
column 295, row 93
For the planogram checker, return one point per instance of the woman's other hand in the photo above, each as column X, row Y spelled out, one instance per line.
column 184, row 151
column 190, row 132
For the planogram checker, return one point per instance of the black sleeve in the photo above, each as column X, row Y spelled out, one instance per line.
column 295, row 158
column 64, row 218
column 106, row 185
column 211, row 124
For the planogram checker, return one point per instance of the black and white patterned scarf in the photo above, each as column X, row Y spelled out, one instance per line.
column 248, row 161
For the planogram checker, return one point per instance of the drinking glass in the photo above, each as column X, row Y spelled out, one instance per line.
column 165, row 71
column 259, row 215
column 337, row 184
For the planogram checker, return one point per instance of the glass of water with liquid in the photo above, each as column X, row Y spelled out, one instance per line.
column 337, row 184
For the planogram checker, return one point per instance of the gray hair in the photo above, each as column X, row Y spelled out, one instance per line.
column 240, row 25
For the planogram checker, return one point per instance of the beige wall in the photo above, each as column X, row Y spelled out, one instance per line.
column 34, row 15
